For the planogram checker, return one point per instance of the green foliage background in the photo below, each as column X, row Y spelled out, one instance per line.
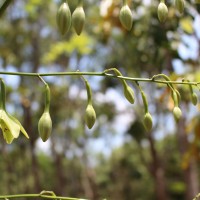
column 162, row 164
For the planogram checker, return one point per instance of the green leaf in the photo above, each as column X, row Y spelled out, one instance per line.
column 9, row 127
column 186, row 24
column 21, row 127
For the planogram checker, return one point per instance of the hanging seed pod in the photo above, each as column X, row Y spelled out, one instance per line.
column 148, row 122
column 126, row 17
column 90, row 116
column 162, row 11
column 78, row 18
column 180, row 5
column 45, row 123
column 129, row 94
column 177, row 113
column 45, row 126
column 63, row 18
column 194, row 99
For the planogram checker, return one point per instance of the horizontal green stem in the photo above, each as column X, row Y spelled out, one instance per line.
column 78, row 73
column 36, row 195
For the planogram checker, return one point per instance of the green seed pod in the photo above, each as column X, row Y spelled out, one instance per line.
column 129, row 94
column 64, row 18
column 194, row 98
column 180, row 5
column 177, row 113
column 90, row 116
column 126, row 17
column 162, row 11
column 45, row 126
column 78, row 19
column 148, row 122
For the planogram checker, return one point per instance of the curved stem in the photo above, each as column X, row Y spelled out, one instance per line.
column 175, row 93
column 146, row 109
column 89, row 91
column 47, row 94
column 119, row 74
column 144, row 99
column 165, row 77
column 47, row 98
column 190, row 87
column 175, row 98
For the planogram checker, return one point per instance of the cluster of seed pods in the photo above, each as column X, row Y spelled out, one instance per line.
column 11, row 127
column 163, row 10
column 65, row 19
column 77, row 19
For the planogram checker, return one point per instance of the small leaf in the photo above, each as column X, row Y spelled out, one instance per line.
column 9, row 127
column 21, row 127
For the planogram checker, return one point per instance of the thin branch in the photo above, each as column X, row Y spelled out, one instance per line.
column 16, row 196
column 78, row 73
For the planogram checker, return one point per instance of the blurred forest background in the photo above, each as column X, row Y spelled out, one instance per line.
column 116, row 159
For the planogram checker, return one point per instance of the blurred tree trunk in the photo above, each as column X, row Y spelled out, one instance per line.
column 88, row 180
column 29, row 127
column 157, row 171
column 190, row 172
column 59, row 171
column 26, row 104
column 8, row 168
